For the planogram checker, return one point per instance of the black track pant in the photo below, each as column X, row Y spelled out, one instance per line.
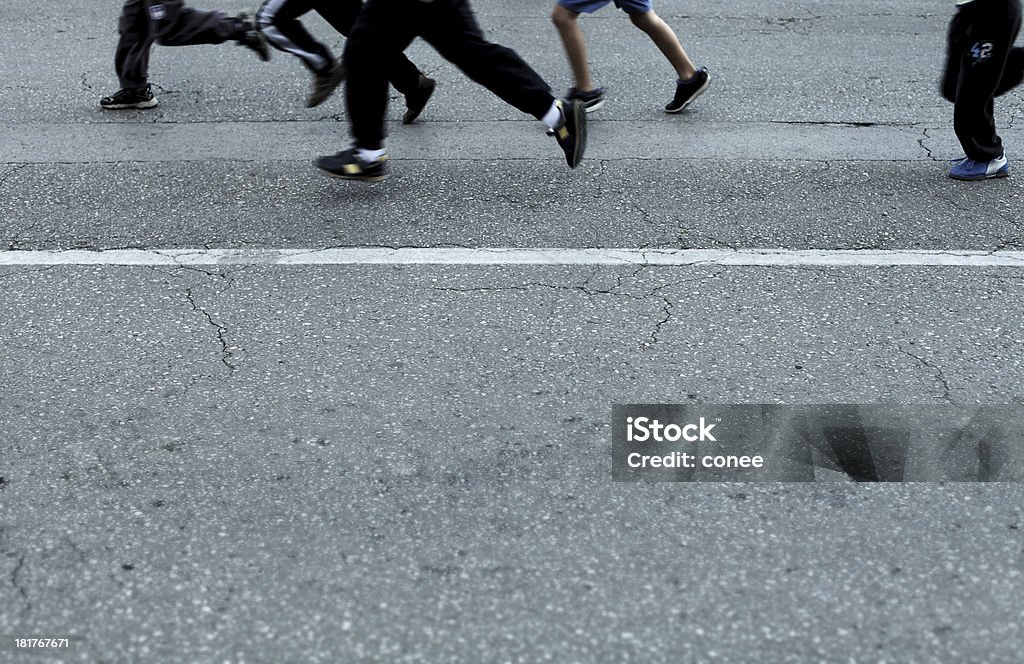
column 168, row 23
column 386, row 27
column 981, row 64
column 279, row 22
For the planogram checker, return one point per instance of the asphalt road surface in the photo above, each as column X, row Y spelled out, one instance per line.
column 245, row 459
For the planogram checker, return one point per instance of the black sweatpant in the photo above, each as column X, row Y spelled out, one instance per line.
column 168, row 23
column 385, row 28
column 279, row 22
column 981, row 64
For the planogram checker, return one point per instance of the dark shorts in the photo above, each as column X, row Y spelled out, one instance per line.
column 590, row 6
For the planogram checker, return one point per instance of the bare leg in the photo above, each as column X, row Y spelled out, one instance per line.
column 666, row 41
column 575, row 46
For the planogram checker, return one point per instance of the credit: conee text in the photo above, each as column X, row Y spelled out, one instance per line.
column 684, row 460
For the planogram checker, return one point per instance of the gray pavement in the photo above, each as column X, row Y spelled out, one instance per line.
column 334, row 463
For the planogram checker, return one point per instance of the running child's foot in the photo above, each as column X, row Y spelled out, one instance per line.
column 251, row 37
column 969, row 169
column 571, row 133
column 417, row 100
column 591, row 99
column 130, row 98
column 325, row 84
column 688, row 91
column 348, row 165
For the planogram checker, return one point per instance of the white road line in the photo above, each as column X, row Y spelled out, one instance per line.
column 515, row 256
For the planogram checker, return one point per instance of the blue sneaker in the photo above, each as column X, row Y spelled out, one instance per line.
column 968, row 169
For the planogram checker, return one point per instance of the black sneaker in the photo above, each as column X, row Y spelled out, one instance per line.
column 688, row 91
column 325, row 84
column 130, row 98
column 571, row 134
column 591, row 100
column 252, row 38
column 416, row 100
column 348, row 165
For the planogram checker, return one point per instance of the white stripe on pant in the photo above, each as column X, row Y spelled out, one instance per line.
column 265, row 21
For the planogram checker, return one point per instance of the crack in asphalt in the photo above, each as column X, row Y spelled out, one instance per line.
column 226, row 355
column 534, row 284
column 840, row 123
column 1003, row 242
column 715, row 242
column 76, row 549
column 18, row 166
column 168, row 270
column 939, row 375
column 667, row 305
column 18, row 584
column 645, row 216
column 1012, row 220
column 921, row 142
column 794, row 24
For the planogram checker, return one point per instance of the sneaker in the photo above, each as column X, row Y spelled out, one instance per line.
column 688, row 91
column 325, row 84
column 252, row 38
column 416, row 100
column 130, row 98
column 348, row 165
column 968, row 169
column 571, row 134
column 591, row 100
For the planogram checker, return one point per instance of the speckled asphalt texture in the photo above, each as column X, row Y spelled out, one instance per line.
column 255, row 463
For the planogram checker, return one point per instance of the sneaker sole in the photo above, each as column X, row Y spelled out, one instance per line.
column 692, row 99
column 979, row 178
column 357, row 178
column 591, row 109
column 580, row 144
column 142, row 105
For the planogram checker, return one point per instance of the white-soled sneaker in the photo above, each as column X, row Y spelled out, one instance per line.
column 969, row 169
